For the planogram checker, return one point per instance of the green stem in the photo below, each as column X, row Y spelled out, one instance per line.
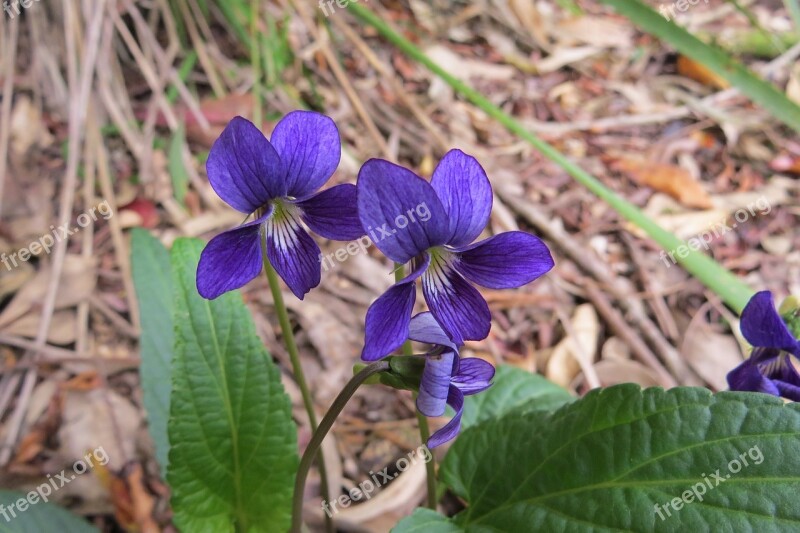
column 430, row 466
column 793, row 7
column 422, row 421
column 297, row 369
column 713, row 275
column 272, row 276
column 319, row 436
column 777, row 45
column 255, row 56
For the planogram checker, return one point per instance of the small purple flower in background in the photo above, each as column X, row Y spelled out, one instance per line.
column 447, row 378
column 459, row 198
column 277, row 180
column 769, row 368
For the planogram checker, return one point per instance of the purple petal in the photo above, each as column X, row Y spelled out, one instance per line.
column 435, row 384
column 399, row 210
column 333, row 213
column 293, row 253
column 473, row 376
column 457, row 306
column 746, row 377
column 505, row 261
column 424, row 328
column 465, row 192
column 789, row 391
column 775, row 365
column 243, row 167
column 788, row 372
column 309, row 146
column 230, row 260
column 762, row 326
column 387, row 320
column 455, row 399
column 764, row 357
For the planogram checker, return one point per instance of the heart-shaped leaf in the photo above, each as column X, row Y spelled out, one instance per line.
column 513, row 389
column 623, row 459
column 426, row 521
column 19, row 516
column 153, row 281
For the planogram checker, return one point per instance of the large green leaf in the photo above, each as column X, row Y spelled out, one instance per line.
column 513, row 389
column 41, row 516
column 153, row 282
column 234, row 444
column 729, row 462
column 426, row 521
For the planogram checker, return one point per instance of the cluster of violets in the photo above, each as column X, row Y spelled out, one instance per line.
column 276, row 181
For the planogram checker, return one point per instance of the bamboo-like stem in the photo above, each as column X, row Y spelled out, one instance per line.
column 721, row 281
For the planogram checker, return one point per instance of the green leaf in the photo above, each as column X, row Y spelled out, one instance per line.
column 234, row 444
column 426, row 521
column 152, row 280
column 758, row 90
column 42, row 516
column 513, row 389
column 603, row 463
column 177, row 169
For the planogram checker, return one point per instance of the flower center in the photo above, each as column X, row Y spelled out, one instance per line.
column 441, row 265
column 283, row 225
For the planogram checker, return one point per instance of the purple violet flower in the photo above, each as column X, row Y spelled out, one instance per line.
column 457, row 202
column 447, row 378
column 277, row 181
column 769, row 368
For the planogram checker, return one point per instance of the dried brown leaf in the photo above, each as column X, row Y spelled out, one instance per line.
column 669, row 179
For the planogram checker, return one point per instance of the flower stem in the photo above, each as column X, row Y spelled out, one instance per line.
column 297, row 369
column 319, row 435
column 430, row 466
column 422, row 421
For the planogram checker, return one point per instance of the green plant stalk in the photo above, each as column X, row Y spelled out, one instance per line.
column 232, row 16
column 793, row 7
column 319, row 436
column 183, row 73
column 255, row 57
column 297, row 369
column 777, row 44
column 722, row 282
column 712, row 57
column 422, row 421
column 751, row 42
